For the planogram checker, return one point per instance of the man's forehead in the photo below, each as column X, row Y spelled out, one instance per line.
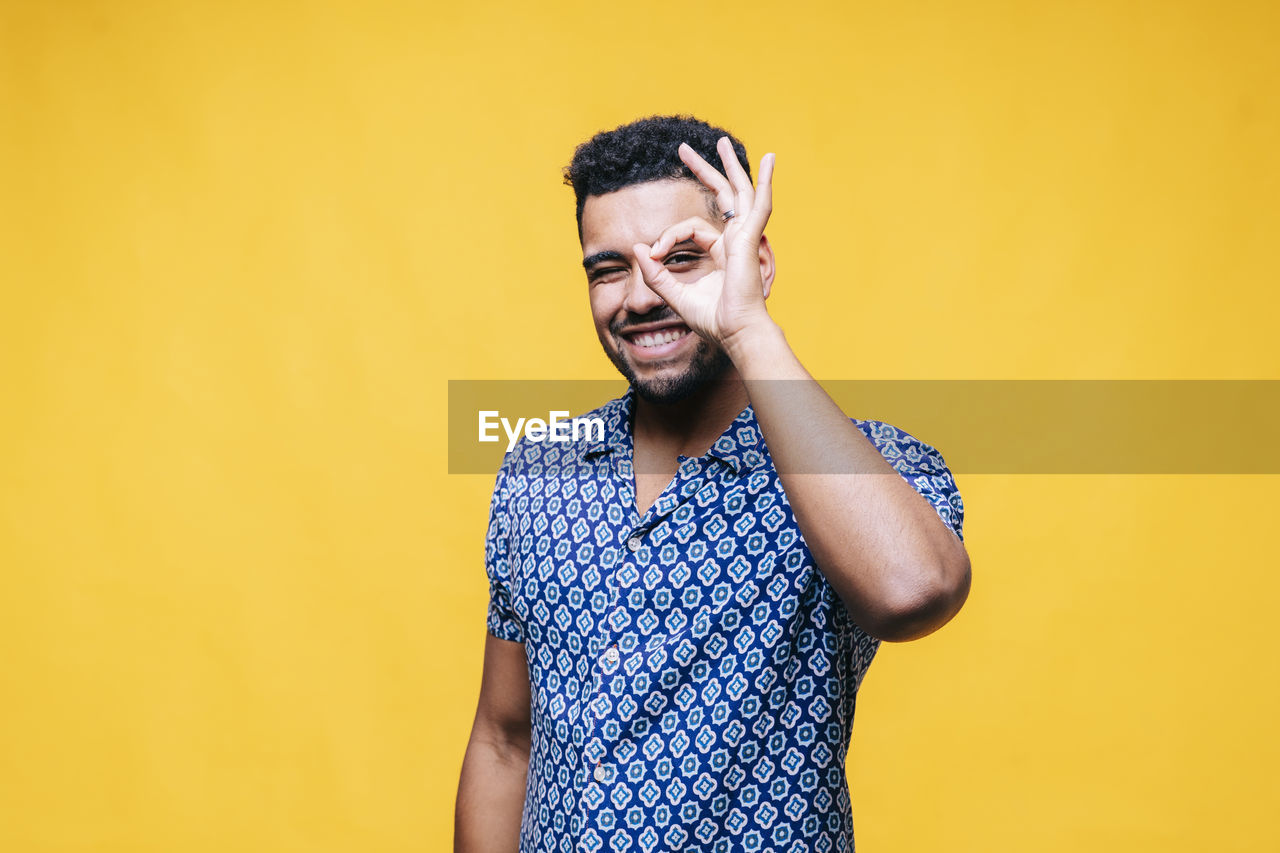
column 641, row 212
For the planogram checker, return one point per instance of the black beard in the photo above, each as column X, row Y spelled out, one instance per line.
column 709, row 363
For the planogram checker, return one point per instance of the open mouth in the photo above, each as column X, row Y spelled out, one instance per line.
column 656, row 342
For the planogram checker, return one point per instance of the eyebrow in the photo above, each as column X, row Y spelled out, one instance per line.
column 600, row 257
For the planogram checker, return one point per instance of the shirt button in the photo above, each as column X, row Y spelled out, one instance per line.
column 611, row 655
column 634, row 543
column 601, row 773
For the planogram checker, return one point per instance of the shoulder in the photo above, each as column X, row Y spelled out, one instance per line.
column 922, row 466
column 561, row 441
column 902, row 450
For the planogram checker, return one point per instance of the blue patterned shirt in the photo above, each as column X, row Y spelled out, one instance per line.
column 693, row 674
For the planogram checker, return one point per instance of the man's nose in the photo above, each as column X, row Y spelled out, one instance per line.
column 640, row 299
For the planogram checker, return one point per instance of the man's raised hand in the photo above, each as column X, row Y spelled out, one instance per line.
column 728, row 302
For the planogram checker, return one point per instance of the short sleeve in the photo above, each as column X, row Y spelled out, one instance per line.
column 502, row 621
column 923, row 467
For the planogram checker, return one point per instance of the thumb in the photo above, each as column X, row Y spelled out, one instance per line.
column 656, row 276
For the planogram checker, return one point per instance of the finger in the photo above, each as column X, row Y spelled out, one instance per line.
column 703, row 234
column 708, row 175
column 763, row 206
column 744, row 193
column 658, row 279
column 705, row 172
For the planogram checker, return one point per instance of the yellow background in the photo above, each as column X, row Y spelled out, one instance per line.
column 244, row 245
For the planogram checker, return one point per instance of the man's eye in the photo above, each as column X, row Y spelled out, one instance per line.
column 681, row 258
column 607, row 274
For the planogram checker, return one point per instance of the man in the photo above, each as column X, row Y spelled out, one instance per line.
column 681, row 613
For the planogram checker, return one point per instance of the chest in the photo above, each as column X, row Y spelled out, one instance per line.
column 586, row 562
column 651, row 484
column 654, row 473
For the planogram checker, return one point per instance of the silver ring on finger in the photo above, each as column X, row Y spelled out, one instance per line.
column 727, row 215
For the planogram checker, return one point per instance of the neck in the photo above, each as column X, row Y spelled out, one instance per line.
column 690, row 426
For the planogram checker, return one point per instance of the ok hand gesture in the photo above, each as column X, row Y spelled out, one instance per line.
column 727, row 303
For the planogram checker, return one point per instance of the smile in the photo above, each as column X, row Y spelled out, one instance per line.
column 657, row 342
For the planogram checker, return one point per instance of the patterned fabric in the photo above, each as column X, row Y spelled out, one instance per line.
column 693, row 674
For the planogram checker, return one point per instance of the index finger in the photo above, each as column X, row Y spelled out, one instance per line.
column 703, row 234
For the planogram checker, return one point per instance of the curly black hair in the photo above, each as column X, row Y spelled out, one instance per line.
column 642, row 151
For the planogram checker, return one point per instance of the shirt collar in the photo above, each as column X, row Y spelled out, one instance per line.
column 741, row 446
column 616, row 415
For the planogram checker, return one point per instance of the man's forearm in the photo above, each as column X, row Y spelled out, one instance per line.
column 898, row 568
column 491, row 795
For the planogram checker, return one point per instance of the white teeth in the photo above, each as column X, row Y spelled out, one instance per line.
column 649, row 339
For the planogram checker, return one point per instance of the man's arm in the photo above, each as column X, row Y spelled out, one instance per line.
column 900, row 571
column 496, row 765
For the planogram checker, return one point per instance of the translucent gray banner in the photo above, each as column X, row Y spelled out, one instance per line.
column 979, row 426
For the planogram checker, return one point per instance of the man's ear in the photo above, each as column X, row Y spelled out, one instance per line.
column 767, row 265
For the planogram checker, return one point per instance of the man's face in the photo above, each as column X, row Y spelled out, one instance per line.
column 646, row 340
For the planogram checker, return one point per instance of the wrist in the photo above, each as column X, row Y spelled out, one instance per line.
column 757, row 348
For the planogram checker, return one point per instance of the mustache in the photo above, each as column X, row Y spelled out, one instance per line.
column 658, row 315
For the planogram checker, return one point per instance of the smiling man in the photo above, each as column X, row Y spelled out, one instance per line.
column 681, row 613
